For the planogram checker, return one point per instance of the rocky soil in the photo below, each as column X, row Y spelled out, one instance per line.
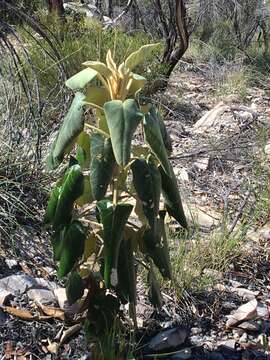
column 216, row 149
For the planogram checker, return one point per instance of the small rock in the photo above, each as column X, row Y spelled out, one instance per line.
column 196, row 331
column 45, row 284
column 243, row 338
column 231, row 344
column 169, row 339
column 5, row 296
column 11, row 263
column 203, row 163
column 61, row 297
column 245, row 293
column 18, row 283
column 184, row 354
column 245, row 312
column 41, row 296
column 263, row 311
column 252, row 326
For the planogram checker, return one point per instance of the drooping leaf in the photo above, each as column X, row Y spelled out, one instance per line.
column 113, row 220
column 57, row 242
column 97, row 95
column 140, row 55
column 172, row 197
column 52, row 205
column 83, row 150
column 156, row 247
column 72, row 248
column 102, row 165
column 81, row 79
column 147, row 183
column 72, row 126
column 154, row 293
column 71, row 189
column 155, row 140
column 87, row 196
column 165, row 136
column 123, row 119
column 100, row 67
column 126, row 272
column 75, row 287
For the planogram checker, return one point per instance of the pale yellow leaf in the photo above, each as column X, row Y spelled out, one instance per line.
column 140, row 55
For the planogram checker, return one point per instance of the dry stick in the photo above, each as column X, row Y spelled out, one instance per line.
column 239, row 213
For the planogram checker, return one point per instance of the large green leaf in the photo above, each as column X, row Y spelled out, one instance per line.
column 140, row 55
column 71, row 189
column 123, row 119
column 83, row 150
column 82, row 78
column 165, row 136
column 52, row 205
column 72, row 126
column 74, row 288
column 57, row 242
column 172, row 197
column 126, row 272
column 154, row 138
column 72, row 248
column 102, row 165
column 156, row 247
column 147, row 183
column 87, row 196
column 154, row 293
column 113, row 219
column 97, row 95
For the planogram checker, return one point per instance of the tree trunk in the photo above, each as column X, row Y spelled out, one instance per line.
column 110, row 8
column 174, row 27
column 56, row 7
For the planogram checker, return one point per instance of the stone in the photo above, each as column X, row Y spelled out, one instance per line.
column 61, row 297
column 5, row 296
column 250, row 325
column 45, row 284
column 243, row 338
column 21, row 283
column 245, row 312
column 169, row 339
column 18, row 283
column 203, row 163
column 245, row 293
column 211, row 118
column 41, row 296
column 11, row 263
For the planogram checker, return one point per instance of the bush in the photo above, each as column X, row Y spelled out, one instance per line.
column 81, row 39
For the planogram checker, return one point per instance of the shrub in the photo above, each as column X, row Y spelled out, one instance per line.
column 106, row 207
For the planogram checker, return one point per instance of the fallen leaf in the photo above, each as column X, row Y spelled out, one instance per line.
column 53, row 347
column 70, row 332
column 22, row 314
column 53, row 312
column 245, row 312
